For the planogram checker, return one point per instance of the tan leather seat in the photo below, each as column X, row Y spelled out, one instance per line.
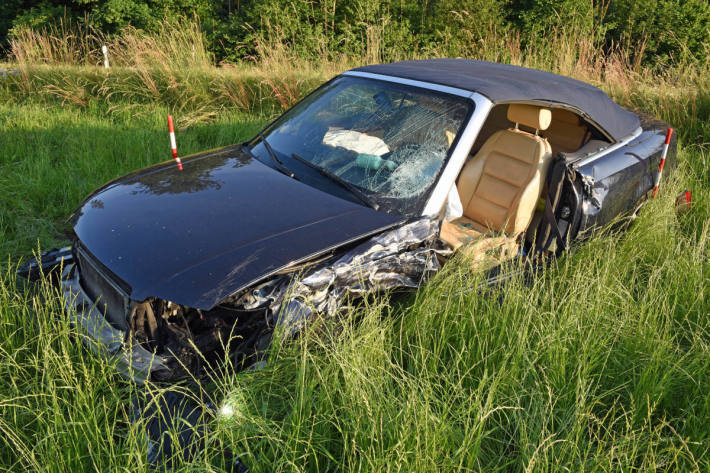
column 484, row 249
column 567, row 132
column 500, row 186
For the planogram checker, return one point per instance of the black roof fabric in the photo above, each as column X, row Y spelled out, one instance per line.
column 505, row 83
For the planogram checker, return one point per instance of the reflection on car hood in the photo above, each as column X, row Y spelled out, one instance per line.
column 197, row 236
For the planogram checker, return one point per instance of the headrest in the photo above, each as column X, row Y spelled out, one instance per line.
column 530, row 115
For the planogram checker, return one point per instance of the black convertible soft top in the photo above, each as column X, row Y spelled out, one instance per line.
column 503, row 83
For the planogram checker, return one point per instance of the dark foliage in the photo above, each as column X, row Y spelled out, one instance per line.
column 658, row 30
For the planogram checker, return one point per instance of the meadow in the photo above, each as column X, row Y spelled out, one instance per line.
column 602, row 363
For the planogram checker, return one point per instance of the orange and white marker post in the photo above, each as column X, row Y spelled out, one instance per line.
column 684, row 201
column 173, row 144
column 669, row 133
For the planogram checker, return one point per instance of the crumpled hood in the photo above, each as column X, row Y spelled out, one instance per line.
column 197, row 236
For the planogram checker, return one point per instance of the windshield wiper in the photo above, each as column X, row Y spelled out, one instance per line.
column 354, row 190
column 279, row 164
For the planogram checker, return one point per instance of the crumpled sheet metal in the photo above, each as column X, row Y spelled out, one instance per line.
column 400, row 258
column 102, row 338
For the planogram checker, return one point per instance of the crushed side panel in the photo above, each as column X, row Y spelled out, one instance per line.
column 400, row 258
column 616, row 183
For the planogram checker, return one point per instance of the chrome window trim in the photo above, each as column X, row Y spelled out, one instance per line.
column 437, row 199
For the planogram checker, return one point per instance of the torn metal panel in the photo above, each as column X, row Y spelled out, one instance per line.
column 134, row 362
column 616, row 182
column 400, row 258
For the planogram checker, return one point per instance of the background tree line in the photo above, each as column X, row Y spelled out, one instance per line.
column 655, row 31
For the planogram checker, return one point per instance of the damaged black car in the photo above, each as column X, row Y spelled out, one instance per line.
column 369, row 184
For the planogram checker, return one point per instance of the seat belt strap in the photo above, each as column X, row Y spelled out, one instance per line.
column 552, row 221
column 548, row 227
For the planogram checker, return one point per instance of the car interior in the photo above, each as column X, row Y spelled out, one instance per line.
column 501, row 185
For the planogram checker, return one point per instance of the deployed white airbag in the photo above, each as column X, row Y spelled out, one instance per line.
column 356, row 141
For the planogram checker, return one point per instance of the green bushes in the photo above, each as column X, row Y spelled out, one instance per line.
column 648, row 31
column 662, row 29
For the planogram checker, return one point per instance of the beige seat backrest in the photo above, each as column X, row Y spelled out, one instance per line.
column 500, row 186
column 567, row 131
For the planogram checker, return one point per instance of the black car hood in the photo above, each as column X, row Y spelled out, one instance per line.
column 197, row 236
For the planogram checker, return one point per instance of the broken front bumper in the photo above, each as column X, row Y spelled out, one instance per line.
column 401, row 258
column 132, row 360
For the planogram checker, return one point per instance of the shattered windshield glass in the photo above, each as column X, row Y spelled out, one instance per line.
column 389, row 140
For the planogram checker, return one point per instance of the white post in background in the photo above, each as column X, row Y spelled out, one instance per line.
column 104, row 50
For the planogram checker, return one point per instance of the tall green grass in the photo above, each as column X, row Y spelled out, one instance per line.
column 51, row 157
column 601, row 363
column 61, row 407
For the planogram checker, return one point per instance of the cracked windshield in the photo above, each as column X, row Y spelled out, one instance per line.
column 388, row 140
